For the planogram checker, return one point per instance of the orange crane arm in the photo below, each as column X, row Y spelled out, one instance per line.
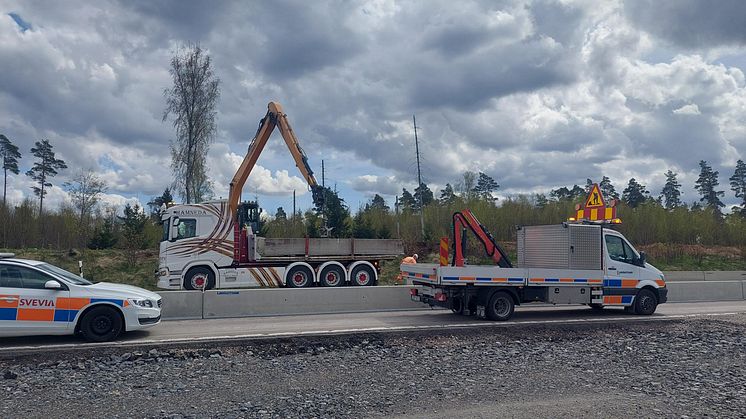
column 464, row 219
column 274, row 117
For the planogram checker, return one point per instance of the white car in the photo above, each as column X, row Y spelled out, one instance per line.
column 37, row 298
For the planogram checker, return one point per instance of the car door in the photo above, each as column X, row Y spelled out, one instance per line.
column 620, row 258
column 26, row 307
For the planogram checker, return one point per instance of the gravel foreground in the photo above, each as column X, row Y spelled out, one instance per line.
column 683, row 368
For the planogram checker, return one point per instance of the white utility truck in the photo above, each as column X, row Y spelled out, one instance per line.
column 216, row 245
column 581, row 261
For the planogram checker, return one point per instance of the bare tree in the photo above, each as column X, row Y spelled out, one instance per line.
column 85, row 191
column 191, row 103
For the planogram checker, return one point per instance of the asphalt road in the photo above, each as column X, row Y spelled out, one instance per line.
column 212, row 330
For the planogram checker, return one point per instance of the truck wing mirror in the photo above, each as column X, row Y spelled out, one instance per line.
column 175, row 221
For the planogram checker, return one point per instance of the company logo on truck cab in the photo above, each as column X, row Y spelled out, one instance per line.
column 190, row 212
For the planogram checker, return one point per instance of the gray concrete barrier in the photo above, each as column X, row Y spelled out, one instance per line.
column 679, row 292
column 725, row 275
column 684, row 275
column 181, row 305
column 267, row 302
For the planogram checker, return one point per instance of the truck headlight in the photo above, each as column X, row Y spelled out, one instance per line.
column 163, row 272
column 142, row 303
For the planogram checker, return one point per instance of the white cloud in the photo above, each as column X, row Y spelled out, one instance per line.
column 691, row 109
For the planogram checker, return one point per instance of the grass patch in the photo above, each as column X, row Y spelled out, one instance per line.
column 108, row 265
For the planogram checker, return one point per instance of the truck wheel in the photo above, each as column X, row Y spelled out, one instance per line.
column 299, row 277
column 645, row 302
column 363, row 275
column 500, row 307
column 332, row 276
column 457, row 305
column 101, row 324
column 199, row 278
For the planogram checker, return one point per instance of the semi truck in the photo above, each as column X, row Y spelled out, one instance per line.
column 580, row 261
column 216, row 244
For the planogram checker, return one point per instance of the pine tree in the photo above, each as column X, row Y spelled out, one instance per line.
column 738, row 185
column 407, row 202
column 133, row 231
column 423, row 194
column 671, row 193
column 10, row 154
column 485, row 186
column 607, row 189
column 378, row 203
column 706, row 184
column 157, row 202
column 447, row 196
column 634, row 194
column 46, row 167
column 280, row 214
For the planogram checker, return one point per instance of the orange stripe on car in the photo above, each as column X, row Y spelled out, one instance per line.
column 65, row 303
column 35, row 315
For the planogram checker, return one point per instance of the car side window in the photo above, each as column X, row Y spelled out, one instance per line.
column 618, row 249
column 10, row 277
column 187, row 228
column 33, row 279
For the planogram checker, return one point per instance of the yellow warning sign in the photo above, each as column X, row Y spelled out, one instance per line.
column 595, row 199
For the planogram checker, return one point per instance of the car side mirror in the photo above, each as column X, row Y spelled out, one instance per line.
column 52, row 285
column 642, row 258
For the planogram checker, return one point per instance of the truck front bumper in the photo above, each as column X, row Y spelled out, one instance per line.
column 662, row 295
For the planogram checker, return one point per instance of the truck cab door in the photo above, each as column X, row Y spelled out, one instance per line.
column 620, row 258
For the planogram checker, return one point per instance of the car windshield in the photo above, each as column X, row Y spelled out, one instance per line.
column 69, row 277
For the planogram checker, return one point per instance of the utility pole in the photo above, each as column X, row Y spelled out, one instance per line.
column 419, row 178
column 396, row 209
column 293, row 203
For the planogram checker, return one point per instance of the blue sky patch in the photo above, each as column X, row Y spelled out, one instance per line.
column 20, row 22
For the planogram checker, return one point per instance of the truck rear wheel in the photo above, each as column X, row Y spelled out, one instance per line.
column 332, row 276
column 500, row 306
column 299, row 277
column 645, row 302
column 199, row 278
column 363, row 275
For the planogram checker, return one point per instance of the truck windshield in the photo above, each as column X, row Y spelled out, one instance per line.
column 69, row 277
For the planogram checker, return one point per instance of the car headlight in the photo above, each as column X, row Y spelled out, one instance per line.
column 142, row 303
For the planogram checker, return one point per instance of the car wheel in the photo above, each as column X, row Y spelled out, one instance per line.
column 645, row 302
column 500, row 307
column 299, row 276
column 101, row 324
column 199, row 278
column 332, row 276
column 363, row 275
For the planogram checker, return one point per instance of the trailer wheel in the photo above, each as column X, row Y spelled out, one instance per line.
column 363, row 275
column 332, row 276
column 645, row 302
column 500, row 307
column 299, row 277
column 199, row 278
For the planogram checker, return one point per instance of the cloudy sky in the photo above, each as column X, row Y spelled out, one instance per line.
column 536, row 94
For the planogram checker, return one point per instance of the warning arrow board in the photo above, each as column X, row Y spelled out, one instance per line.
column 595, row 198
